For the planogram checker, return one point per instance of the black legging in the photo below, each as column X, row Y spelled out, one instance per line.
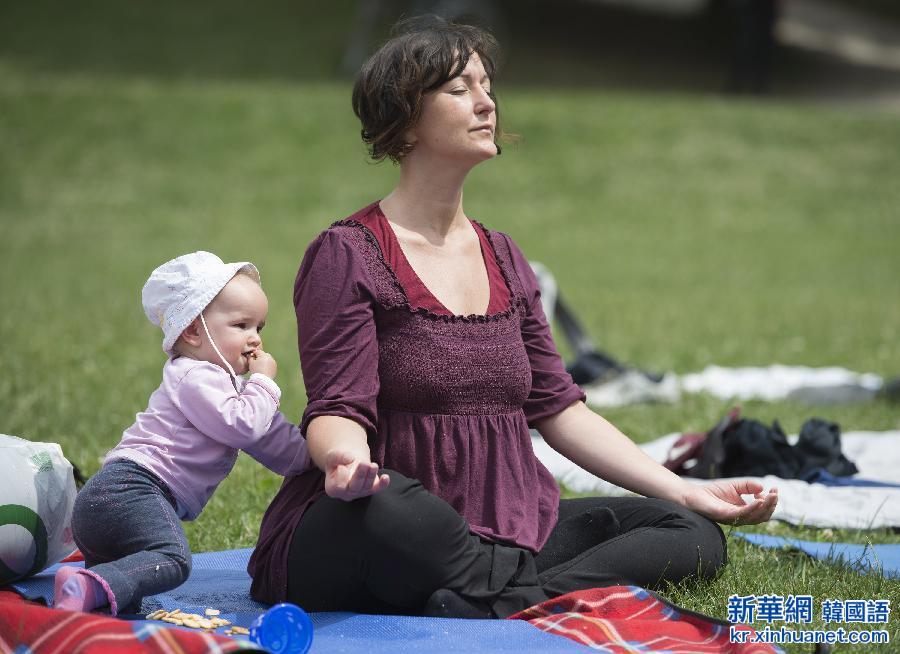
column 388, row 553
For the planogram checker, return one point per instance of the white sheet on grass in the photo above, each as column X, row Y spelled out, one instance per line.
column 876, row 454
column 774, row 382
column 769, row 383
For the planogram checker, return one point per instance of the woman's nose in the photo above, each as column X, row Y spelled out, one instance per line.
column 485, row 102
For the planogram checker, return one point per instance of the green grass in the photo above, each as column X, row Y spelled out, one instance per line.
column 685, row 230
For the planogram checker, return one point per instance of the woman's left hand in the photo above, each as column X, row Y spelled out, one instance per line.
column 721, row 501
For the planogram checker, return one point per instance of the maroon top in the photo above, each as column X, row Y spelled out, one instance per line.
column 417, row 293
column 444, row 399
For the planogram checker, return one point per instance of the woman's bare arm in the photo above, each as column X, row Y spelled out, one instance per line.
column 589, row 440
column 338, row 446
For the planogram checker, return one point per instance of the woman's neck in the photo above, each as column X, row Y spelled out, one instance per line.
column 427, row 200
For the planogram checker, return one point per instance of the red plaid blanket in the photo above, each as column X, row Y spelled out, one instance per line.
column 35, row 629
column 622, row 619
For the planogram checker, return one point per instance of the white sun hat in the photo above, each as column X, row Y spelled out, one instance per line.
column 179, row 290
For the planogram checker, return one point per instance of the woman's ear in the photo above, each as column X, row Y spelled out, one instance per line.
column 191, row 334
column 410, row 137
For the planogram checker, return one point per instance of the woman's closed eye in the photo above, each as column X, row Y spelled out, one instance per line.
column 460, row 90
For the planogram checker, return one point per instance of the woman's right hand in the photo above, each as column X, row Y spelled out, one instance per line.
column 349, row 478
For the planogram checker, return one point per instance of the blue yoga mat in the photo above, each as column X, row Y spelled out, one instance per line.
column 866, row 559
column 219, row 580
column 822, row 476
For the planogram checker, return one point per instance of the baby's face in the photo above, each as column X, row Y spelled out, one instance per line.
column 235, row 318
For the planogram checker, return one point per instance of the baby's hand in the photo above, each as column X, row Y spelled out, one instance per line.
column 263, row 363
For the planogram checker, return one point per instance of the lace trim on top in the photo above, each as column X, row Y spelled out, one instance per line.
column 516, row 299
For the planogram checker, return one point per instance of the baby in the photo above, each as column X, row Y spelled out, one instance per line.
column 170, row 461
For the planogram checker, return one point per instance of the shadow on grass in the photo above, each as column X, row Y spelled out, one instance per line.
column 279, row 39
column 564, row 43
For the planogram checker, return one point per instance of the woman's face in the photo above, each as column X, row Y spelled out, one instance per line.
column 458, row 120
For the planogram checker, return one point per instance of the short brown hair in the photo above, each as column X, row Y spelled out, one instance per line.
column 423, row 54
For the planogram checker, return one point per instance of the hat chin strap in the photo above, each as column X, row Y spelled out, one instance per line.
column 215, row 347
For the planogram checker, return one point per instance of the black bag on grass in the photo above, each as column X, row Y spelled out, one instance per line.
column 741, row 447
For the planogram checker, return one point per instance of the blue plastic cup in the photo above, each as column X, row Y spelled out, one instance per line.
column 283, row 629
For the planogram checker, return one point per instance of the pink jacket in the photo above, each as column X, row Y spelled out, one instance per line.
column 196, row 422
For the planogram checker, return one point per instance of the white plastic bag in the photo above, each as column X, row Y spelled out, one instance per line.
column 37, row 492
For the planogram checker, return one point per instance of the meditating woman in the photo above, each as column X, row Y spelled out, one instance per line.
column 426, row 358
